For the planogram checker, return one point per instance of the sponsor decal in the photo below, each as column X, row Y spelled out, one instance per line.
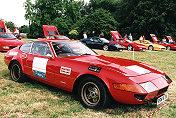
column 138, row 69
column 39, row 67
column 65, row 70
column 94, row 69
column 13, row 53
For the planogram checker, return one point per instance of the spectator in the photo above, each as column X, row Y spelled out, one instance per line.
column 93, row 33
column 16, row 32
column 85, row 35
column 101, row 35
column 130, row 37
column 8, row 30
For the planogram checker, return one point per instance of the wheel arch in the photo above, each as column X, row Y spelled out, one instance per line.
column 12, row 61
column 81, row 78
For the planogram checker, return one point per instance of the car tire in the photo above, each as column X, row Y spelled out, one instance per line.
column 105, row 47
column 168, row 48
column 16, row 72
column 93, row 93
column 130, row 48
column 150, row 47
column 84, row 43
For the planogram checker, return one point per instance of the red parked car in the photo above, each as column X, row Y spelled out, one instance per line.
column 7, row 40
column 51, row 32
column 129, row 45
column 169, row 46
column 72, row 66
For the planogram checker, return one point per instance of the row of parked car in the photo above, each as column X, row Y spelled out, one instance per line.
column 119, row 43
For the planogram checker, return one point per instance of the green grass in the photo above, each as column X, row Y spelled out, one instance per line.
column 34, row 99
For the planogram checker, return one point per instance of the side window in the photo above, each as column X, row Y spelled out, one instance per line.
column 26, row 47
column 41, row 49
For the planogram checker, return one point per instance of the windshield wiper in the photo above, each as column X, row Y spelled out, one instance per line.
column 85, row 54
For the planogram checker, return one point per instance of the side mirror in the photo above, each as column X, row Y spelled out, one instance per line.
column 49, row 56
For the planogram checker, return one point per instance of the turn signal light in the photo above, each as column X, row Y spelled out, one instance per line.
column 129, row 87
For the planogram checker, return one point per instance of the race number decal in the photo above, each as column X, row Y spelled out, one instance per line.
column 65, row 70
column 39, row 67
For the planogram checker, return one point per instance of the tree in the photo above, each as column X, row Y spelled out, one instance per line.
column 100, row 21
column 145, row 17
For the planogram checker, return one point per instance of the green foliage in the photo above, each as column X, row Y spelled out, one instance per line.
column 100, row 21
column 24, row 29
column 145, row 17
column 73, row 34
column 10, row 25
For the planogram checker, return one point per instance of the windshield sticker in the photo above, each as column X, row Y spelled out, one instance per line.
column 39, row 67
column 65, row 70
column 138, row 69
column 13, row 53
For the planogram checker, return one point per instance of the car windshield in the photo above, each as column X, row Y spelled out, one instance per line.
column 61, row 37
column 7, row 35
column 104, row 40
column 71, row 48
column 148, row 42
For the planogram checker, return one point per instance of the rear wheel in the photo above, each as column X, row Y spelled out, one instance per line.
column 84, row 43
column 16, row 73
column 150, row 47
column 168, row 48
column 93, row 93
column 130, row 48
column 105, row 48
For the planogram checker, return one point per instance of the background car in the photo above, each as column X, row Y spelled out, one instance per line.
column 129, row 45
column 8, row 41
column 102, row 43
column 169, row 46
column 51, row 32
column 150, row 45
column 94, row 78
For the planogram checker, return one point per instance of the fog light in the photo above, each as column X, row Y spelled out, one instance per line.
column 6, row 47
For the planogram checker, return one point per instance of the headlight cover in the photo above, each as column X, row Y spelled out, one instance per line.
column 5, row 47
column 149, row 87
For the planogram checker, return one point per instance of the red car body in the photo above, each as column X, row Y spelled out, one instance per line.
column 7, row 40
column 129, row 45
column 169, row 46
column 51, row 32
column 122, row 77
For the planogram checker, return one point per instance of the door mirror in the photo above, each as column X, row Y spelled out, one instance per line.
column 49, row 56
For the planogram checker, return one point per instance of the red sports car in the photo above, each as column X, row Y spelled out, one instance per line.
column 169, row 46
column 72, row 66
column 51, row 32
column 129, row 45
column 7, row 40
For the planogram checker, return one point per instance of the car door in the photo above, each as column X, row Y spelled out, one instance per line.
column 37, row 63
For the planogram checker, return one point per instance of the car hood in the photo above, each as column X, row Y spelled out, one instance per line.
column 120, row 65
column 11, row 42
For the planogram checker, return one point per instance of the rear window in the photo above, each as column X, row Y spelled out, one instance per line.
column 26, row 47
column 52, row 33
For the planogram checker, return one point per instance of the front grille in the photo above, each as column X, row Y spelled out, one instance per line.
column 162, row 90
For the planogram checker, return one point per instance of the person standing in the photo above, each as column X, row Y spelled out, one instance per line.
column 93, row 33
column 85, row 35
column 130, row 37
column 16, row 32
column 101, row 35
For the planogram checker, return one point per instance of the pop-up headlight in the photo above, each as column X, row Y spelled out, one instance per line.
column 149, row 87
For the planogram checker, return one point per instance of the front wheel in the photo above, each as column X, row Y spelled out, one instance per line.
column 130, row 48
column 93, row 93
column 16, row 72
column 168, row 48
column 150, row 47
column 105, row 48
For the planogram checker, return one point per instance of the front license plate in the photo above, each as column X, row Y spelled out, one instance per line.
column 162, row 98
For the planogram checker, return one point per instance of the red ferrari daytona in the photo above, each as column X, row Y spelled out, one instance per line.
column 72, row 66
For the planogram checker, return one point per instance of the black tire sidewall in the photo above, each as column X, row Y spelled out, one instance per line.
column 168, row 47
column 104, row 46
column 104, row 93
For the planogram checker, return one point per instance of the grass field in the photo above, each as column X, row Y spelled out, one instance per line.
column 34, row 99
